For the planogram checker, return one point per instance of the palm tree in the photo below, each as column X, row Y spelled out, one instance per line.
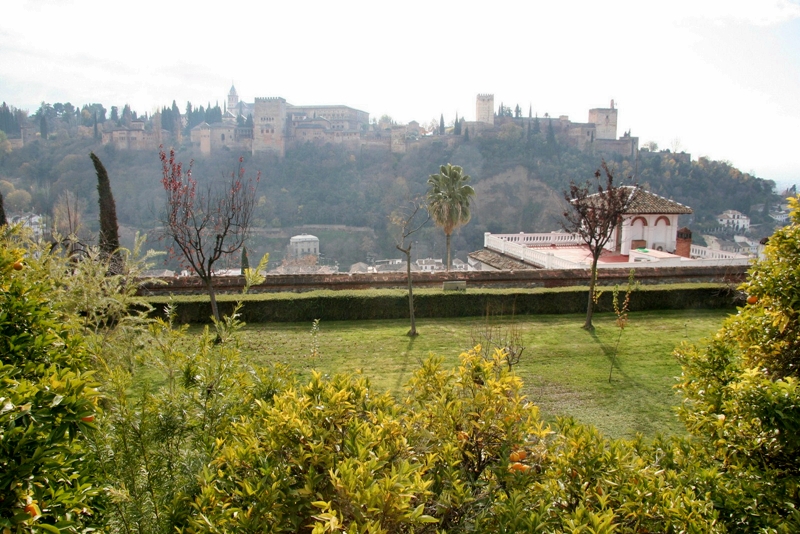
column 448, row 200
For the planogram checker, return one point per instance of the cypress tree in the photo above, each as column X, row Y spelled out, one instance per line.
column 245, row 261
column 109, row 230
column 3, row 220
column 466, row 133
column 441, row 124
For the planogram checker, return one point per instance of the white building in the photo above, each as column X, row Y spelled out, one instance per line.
column 29, row 220
column 734, row 219
column 303, row 245
column 647, row 236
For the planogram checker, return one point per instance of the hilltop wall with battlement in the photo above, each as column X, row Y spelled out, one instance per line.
column 278, row 126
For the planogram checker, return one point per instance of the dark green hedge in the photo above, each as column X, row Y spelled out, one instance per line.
column 362, row 305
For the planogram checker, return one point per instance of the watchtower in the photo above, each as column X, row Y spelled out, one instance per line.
column 484, row 109
column 233, row 100
column 605, row 122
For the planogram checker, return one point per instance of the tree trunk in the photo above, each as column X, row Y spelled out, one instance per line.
column 448, row 251
column 590, row 305
column 212, row 295
column 413, row 331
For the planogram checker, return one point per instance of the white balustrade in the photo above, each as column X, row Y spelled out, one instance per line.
column 534, row 250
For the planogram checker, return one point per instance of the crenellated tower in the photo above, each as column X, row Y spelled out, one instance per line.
column 605, row 122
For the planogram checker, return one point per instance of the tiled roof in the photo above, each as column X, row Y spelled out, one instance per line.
column 647, row 202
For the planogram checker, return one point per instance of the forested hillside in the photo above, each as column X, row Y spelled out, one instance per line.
column 518, row 177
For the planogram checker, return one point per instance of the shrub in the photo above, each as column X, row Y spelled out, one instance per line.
column 48, row 402
column 742, row 400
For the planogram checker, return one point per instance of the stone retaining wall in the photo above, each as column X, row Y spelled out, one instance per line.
column 733, row 275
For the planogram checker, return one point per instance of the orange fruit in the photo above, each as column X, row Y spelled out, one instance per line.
column 87, row 419
column 520, row 468
column 752, row 299
column 17, row 266
column 518, row 456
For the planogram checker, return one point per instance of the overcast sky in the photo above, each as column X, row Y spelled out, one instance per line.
column 719, row 77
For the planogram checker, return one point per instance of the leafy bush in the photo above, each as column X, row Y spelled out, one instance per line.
column 48, row 402
column 742, row 398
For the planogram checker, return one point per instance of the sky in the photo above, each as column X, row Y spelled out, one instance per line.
column 716, row 78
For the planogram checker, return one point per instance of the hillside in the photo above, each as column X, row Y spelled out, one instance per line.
column 518, row 180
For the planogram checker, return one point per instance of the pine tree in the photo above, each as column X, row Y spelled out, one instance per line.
column 551, row 135
column 109, row 229
column 551, row 141
column 43, row 126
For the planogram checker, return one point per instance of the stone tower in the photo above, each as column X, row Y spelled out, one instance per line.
column 269, row 125
column 605, row 122
column 484, row 109
column 233, row 100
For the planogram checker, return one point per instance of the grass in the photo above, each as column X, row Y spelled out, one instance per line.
column 564, row 368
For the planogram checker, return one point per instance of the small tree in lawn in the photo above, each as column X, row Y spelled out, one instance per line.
column 594, row 211
column 204, row 226
column 407, row 222
column 621, row 311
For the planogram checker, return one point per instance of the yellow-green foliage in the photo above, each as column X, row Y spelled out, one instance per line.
column 742, row 397
column 47, row 403
column 192, row 437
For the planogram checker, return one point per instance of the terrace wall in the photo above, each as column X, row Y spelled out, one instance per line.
column 535, row 278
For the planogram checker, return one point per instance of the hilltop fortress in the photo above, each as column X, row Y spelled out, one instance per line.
column 274, row 125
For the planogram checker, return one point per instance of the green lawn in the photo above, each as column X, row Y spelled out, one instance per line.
column 565, row 369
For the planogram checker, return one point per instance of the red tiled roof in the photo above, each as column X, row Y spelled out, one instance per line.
column 642, row 202
column 646, row 202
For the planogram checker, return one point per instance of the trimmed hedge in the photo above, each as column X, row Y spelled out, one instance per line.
column 367, row 305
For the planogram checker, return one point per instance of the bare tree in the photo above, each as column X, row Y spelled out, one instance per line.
column 68, row 214
column 205, row 226
column 407, row 222
column 594, row 212
column 492, row 337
